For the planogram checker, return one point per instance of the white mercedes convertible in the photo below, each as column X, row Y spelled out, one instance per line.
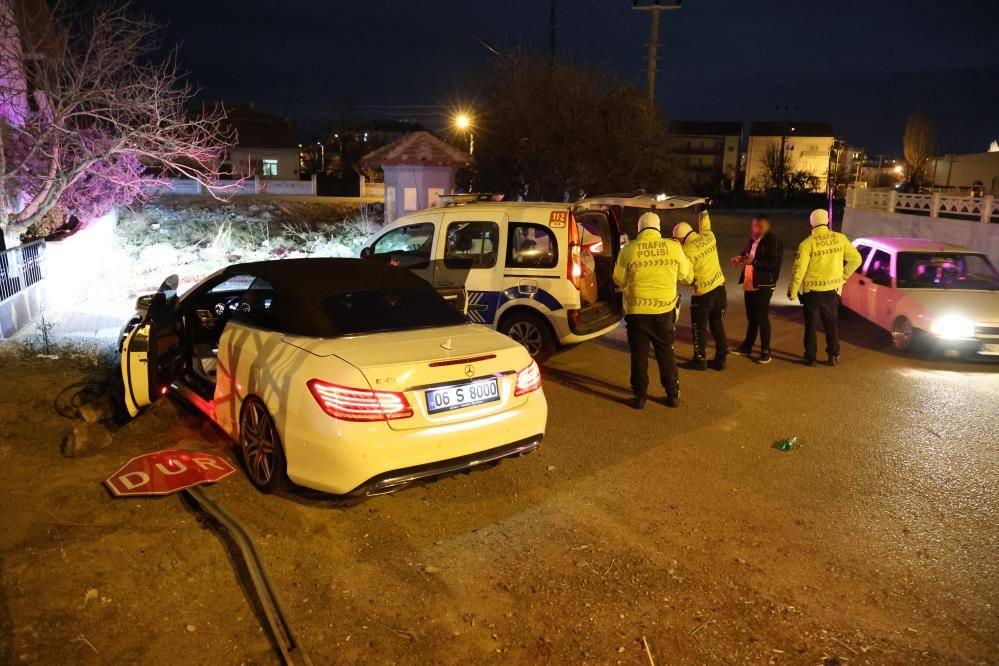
column 343, row 375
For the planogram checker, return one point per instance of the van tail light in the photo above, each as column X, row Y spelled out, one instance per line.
column 528, row 379
column 574, row 269
column 352, row 404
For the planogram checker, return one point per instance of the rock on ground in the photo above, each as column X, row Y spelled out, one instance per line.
column 86, row 437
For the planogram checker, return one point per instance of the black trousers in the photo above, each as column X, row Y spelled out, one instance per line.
column 758, row 318
column 821, row 306
column 707, row 312
column 656, row 330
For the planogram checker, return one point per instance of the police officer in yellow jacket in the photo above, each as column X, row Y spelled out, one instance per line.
column 707, row 305
column 824, row 261
column 647, row 271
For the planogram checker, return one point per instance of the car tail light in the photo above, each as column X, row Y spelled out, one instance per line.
column 351, row 404
column 528, row 379
column 574, row 269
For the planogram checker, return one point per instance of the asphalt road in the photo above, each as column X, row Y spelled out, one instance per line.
column 874, row 540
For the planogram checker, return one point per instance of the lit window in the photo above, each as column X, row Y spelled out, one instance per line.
column 269, row 168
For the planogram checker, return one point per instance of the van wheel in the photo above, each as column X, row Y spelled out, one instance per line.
column 263, row 455
column 531, row 331
column 903, row 335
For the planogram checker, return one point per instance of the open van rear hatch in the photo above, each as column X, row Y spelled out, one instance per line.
column 595, row 240
column 640, row 200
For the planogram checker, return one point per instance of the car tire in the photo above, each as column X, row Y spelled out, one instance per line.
column 531, row 331
column 261, row 448
column 904, row 336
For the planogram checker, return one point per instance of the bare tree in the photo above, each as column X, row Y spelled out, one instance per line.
column 86, row 114
column 918, row 144
column 552, row 128
column 778, row 167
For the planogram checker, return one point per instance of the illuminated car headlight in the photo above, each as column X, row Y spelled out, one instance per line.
column 953, row 326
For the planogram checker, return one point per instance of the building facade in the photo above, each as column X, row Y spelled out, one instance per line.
column 419, row 168
column 707, row 152
column 810, row 145
column 979, row 171
column 265, row 146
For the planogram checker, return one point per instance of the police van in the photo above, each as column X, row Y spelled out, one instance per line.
column 538, row 272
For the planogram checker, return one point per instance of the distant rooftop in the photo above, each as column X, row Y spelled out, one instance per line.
column 417, row 148
column 706, row 128
column 793, row 128
column 258, row 129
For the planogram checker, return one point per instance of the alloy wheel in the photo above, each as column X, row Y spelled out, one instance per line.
column 259, row 443
column 528, row 335
column 901, row 334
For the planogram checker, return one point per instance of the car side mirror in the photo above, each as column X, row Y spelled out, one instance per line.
column 367, row 253
column 150, row 303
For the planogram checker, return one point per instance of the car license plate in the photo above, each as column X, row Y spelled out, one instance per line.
column 446, row 398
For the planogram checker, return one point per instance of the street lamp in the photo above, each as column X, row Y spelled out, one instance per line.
column 463, row 123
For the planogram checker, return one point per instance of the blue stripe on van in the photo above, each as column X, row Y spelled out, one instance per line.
column 483, row 305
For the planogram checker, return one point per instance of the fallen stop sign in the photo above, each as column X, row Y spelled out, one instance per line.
column 166, row 472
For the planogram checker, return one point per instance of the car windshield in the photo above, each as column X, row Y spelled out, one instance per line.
column 384, row 310
column 939, row 270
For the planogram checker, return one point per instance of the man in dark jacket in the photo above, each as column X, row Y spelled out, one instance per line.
column 760, row 261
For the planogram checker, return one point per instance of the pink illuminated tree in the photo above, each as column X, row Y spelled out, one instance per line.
column 87, row 120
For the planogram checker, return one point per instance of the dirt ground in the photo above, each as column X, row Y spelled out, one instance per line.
column 873, row 541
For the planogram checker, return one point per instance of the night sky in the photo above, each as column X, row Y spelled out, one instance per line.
column 864, row 66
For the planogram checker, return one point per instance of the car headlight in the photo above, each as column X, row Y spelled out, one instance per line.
column 953, row 326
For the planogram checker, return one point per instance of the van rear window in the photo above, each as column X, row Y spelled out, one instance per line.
column 531, row 246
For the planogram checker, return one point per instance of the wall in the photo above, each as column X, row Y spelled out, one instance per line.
column 960, row 171
column 969, row 233
column 808, row 153
column 248, row 186
column 412, row 188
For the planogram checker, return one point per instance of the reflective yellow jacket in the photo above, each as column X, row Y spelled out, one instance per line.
column 647, row 270
column 824, row 261
column 701, row 249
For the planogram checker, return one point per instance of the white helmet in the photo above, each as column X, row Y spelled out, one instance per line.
column 648, row 221
column 819, row 217
column 681, row 230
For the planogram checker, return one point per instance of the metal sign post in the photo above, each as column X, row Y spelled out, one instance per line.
column 167, row 472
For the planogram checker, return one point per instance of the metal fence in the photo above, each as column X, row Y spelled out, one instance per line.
column 20, row 268
column 983, row 209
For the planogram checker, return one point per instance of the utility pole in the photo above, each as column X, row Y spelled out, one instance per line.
column 783, row 143
column 552, row 31
column 654, row 7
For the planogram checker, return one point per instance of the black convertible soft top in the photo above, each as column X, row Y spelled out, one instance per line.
column 302, row 287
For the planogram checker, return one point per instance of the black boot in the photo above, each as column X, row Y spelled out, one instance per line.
column 696, row 363
column 637, row 402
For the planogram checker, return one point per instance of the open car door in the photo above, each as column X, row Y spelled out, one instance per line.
column 152, row 353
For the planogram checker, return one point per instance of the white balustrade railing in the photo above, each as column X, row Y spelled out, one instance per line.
column 985, row 209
